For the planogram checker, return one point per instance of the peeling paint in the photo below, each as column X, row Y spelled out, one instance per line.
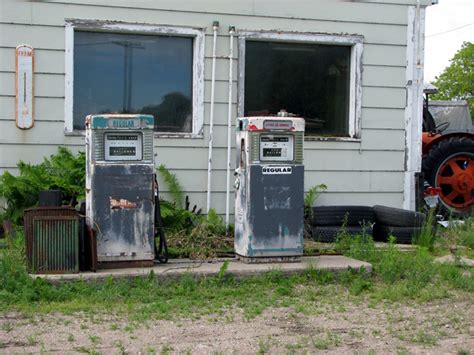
column 121, row 210
column 116, row 204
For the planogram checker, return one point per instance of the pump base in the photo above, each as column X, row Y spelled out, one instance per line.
column 125, row 264
column 272, row 259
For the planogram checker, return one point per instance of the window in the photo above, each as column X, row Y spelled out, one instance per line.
column 136, row 72
column 313, row 77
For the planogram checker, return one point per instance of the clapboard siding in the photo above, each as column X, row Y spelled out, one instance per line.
column 383, row 97
column 333, row 11
column 382, row 118
column 383, row 76
column 373, row 181
column 315, row 160
column 361, row 199
column 365, row 171
column 46, row 61
column 330, row 198
column 46, row 85
column 30, row 153
column 46, row 108
column 51, row 37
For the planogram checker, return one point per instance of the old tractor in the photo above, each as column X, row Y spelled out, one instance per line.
column 448, row 161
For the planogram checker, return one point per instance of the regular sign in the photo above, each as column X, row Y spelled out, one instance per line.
column 24, row 87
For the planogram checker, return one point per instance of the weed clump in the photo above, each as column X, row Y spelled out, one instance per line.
column 206, row 240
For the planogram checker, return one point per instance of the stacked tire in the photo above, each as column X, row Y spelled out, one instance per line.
column 328, row 221
column 402, row 224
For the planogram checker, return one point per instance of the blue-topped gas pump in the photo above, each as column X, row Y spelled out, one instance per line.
column 120, row 186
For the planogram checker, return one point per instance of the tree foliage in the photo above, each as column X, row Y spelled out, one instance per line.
column 456, row 82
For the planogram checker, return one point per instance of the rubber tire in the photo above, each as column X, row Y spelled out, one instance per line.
column 436, row 157
column 403, row 235
column 328, row 234
column 397, row 217
column 334, row 215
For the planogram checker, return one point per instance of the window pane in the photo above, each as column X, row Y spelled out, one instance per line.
column 127, row 73
column 309, row 80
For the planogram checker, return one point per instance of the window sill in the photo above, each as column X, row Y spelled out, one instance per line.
column 75, row 133
column 155, row 135
column 331, row 139
column 178, row 135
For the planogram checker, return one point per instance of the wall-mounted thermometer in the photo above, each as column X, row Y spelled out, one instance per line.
column 24, row 102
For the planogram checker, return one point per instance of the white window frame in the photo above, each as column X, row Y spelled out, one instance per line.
column 355, row 84
column 118, row 27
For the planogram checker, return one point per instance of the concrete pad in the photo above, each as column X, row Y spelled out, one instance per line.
column 177, row 267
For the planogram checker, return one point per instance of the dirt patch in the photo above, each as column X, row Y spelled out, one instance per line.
column 441, row 327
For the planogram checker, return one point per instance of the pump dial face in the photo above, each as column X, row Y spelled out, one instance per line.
column 123, row 146
column 276, row 148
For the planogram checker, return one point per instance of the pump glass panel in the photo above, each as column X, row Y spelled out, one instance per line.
column 123, row 146
column 276, row 148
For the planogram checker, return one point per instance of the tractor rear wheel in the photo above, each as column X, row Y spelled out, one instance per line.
column 450, row 166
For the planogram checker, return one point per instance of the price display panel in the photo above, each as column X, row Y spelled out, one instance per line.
column 123, row 146
column 276, row 148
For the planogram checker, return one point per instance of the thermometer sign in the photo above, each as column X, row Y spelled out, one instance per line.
column 24, row 86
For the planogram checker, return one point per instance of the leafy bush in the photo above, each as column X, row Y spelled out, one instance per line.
column 62, row 171
column 177, row 219
column 174, row 186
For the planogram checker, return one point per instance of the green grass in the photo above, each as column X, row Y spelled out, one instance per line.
column 397, row 276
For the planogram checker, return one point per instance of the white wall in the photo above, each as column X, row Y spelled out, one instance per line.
column 369, row 171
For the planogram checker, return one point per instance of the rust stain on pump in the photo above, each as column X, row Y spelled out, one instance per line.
column 122, row 203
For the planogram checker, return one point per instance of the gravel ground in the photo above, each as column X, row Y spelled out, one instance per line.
column 441, row 327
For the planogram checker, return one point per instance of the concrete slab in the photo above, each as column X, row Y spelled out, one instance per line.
column 177, row 267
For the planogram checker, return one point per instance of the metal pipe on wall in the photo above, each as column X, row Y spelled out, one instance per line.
column 229, row 123
column 215, row 27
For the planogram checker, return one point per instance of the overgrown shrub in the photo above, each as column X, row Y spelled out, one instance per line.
column 207, row 239
column 62, row 171
column 176, row 219
column 188, row 233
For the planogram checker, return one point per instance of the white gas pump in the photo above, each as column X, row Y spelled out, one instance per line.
column 120, row 186
column 269, row 200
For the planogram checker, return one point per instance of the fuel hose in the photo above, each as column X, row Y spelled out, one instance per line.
column 161, row 250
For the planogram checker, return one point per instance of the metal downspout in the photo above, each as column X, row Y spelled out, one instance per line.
column 215, row 27
column 229, row 124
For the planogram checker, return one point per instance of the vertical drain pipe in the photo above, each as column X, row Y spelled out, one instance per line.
column 215, row 27
column 229, row 123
